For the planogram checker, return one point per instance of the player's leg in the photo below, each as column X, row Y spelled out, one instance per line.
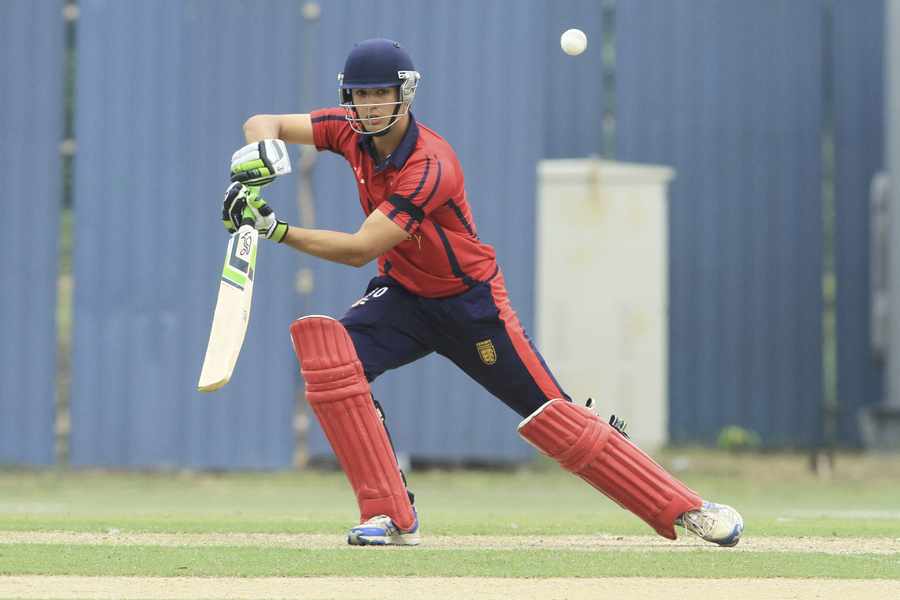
column 339, row 395
column 387, row 328
column 481, row 334
column 338, row 391
column 576, row 437
column 388, row 332
column 584, row 444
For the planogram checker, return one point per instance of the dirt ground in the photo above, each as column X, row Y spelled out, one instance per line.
column 384, row 588
column 569, row 542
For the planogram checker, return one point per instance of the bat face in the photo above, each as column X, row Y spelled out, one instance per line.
column 240, row 258
column 232, row 312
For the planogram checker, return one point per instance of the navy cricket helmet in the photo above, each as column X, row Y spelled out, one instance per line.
column 377, row 63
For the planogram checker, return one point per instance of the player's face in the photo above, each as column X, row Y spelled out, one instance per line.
column 375, row 105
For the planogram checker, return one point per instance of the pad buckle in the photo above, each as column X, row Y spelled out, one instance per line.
column 614, row 421
column 619, row 425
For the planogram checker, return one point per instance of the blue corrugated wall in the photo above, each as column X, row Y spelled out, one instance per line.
column 859, row 154
column 163, row 89
column 574, row 105
column 31, row 129
column 730, row 94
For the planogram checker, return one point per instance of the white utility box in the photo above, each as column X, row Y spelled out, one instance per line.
column 602, row 288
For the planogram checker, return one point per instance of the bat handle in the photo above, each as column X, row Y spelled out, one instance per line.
column 247, row 221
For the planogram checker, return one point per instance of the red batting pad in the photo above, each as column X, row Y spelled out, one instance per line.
column 338, row 393
column 587, row 446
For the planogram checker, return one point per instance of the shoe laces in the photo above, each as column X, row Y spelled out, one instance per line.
column 698, row 522
column 380, row 521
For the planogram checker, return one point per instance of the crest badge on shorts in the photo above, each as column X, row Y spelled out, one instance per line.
column 486, row 352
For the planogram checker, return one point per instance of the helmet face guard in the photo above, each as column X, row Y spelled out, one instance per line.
column 407, row 82
column 377, row 64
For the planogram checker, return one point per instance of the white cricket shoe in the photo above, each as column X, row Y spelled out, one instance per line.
column 716, row 523
column 381, row 530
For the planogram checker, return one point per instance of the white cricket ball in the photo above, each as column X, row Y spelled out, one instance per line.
column 573, row 41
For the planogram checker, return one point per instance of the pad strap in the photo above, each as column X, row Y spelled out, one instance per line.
column 337, row 391
column 589, row 447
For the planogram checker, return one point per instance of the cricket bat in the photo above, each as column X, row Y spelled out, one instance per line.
column 232, row 314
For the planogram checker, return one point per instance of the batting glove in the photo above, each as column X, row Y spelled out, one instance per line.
column 243, row 205
column 260, row 163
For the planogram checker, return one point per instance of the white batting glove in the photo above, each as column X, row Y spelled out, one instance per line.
column 260, row 162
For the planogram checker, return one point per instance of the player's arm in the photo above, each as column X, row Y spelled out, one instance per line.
column 265, row 155
column 293, row 129
column 377, row 235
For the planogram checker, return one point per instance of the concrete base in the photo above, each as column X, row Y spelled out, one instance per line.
column 880, row 427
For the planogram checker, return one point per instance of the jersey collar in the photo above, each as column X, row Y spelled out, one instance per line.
column 399, row 157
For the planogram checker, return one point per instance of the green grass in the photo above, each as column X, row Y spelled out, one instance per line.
column 777, row 495
column 44, row 559
column 527, row 503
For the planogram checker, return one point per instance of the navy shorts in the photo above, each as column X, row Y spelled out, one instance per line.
column 477, row 330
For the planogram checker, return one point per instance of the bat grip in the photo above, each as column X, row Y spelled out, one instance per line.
column 247, row 221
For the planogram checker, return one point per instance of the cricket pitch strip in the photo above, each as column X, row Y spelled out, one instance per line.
column 395, row 588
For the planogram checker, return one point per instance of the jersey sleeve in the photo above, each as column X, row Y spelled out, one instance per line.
column 420, row 189
column 331, row 130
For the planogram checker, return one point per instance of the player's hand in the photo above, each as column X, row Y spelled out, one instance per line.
column 242, row 204
column 260, row 163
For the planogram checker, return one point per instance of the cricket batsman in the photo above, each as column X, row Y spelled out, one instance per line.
column 438, row 289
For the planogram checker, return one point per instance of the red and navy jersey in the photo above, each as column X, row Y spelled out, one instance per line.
column 421, row 188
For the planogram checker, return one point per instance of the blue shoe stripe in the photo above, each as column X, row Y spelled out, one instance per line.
column 376, row 531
